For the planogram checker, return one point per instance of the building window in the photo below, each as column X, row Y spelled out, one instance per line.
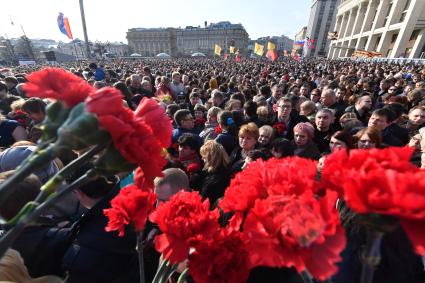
column 414, row 35
column 378, row 39
column 394, row 37
column 403, row 14
column 390, row 5
column 406, row 6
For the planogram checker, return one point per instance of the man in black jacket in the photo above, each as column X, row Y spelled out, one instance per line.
column 96, row 255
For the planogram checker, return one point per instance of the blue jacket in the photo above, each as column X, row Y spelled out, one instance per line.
column 180, row 131
column 99, row 75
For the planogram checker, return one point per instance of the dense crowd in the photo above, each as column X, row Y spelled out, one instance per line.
column 225, row 114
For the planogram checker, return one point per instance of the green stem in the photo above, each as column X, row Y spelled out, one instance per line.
column 183, row 276
column 305, row 275
column 140, row 255
column 162, row 267
column 7, row 240
column 37, row 161
column 168, row 272
column 51, row 186
column 373, row 256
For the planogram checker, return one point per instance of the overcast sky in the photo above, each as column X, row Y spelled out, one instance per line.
column 109, row 20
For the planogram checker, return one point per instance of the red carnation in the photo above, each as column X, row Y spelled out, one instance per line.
column 199, row 122
column 193, row 168
column 182, row 219
column 222, row 259
column 132, row 137
column 287, row 176
column 130, row 206
column 280, row 128
column 153, row 115
column 332, row 169
column 298, row 231
column 218, row 129
column 57, row 84
column 384, row 182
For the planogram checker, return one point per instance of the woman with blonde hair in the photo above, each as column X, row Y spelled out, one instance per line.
column 248, row 138
column 215, row 177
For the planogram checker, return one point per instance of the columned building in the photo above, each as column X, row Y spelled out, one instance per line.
column 394, row 28
column 184, row 42
column 322, row 18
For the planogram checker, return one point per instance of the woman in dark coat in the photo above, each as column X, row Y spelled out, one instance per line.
column 215, row 176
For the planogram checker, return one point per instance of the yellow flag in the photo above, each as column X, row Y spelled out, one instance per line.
column 271, row 46
column 217, row 50
column 259, row 49
column 232, row 49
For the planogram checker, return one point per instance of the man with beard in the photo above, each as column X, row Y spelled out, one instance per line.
column 361, row 108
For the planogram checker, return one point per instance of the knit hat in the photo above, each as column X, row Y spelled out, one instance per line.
column 12, row 157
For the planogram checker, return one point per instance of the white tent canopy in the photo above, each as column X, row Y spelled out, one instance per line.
column 198, row 54
column 163, row 55
column 135, row 55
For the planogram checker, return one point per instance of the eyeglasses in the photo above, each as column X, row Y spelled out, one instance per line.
column 366, row 141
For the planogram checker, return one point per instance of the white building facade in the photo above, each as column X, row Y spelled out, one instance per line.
column 322, row 19
column 394, row 28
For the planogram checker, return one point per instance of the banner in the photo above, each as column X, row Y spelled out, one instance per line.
column 217, row 50
column 365, row 54
column 271, row 55
column 310, row 43
column 232, row 49
column 271, row 46
column 259, row 49
column 63, row 25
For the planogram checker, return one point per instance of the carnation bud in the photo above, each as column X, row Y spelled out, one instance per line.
column 81, row 130
column 56, row 114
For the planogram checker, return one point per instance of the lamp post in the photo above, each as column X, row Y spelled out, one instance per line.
column 83, row 20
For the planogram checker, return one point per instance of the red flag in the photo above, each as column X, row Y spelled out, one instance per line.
column 225, row 56
column 296, row 57
column 237, row 58
column 271, row 55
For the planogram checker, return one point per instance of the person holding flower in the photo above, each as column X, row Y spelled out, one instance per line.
column 93, row 245
column 287, row 118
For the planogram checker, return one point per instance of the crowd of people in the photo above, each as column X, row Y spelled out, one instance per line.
column 225, row 115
